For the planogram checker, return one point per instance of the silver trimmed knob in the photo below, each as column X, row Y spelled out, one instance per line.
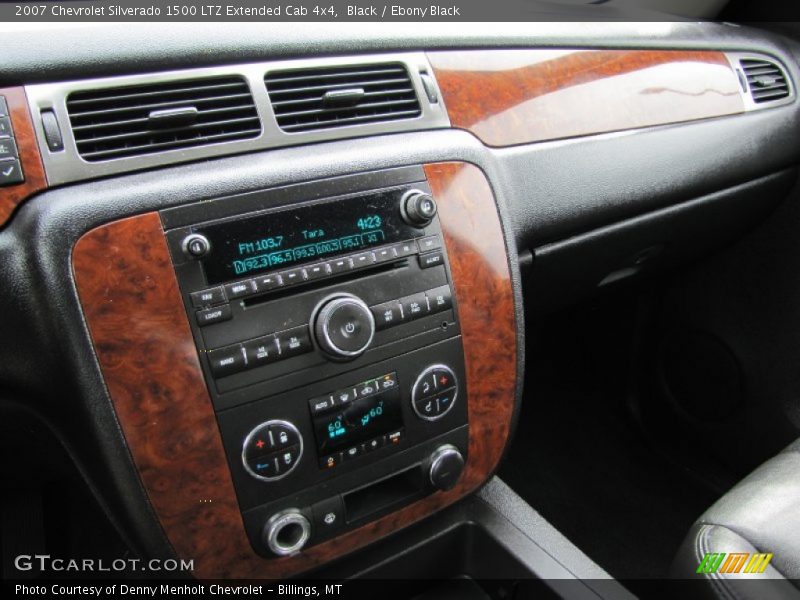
column 344, row 326
column 447, row 464
column 196, row 245
column 286, row 532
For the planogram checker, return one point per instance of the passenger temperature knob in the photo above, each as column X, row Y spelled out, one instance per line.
column 447, row 464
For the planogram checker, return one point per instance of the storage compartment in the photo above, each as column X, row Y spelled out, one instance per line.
column 464, row 562
column 572, row 269
column 384, row 494
column 490, row 546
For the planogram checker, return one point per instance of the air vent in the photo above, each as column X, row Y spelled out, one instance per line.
column 765, row 80
column 132, row 120
column 323, row 98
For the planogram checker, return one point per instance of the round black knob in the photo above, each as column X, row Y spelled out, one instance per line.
column 286, row 532
column 344, row 326
column 418, row 208
column 196, row 245
column 447, row 464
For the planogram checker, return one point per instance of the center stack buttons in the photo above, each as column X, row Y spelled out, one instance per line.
column 272, row 450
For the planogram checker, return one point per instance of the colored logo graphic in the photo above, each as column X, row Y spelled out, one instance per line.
column 734, row 562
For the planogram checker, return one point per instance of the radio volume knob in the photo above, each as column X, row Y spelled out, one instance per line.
column 196, row 245
column 418, row 208
column 344, row 326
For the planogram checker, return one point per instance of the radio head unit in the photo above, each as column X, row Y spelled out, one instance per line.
column 292, row 237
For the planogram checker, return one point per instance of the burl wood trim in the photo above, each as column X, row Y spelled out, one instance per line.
column 144, row 345
column 28, row 150
column 508, row 97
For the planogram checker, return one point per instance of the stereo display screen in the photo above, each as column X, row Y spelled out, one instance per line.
column 310, row 233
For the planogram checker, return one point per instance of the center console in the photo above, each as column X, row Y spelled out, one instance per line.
column 329, row 339
column 301, row 370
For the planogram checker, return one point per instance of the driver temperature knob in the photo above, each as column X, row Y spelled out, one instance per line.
column 447, row 464
column 344, row 326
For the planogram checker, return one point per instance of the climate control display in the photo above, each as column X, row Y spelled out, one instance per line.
column 357, row 419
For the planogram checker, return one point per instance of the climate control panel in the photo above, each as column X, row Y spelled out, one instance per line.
column 356, row 420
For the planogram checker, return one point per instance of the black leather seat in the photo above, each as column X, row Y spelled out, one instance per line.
column 761, row 514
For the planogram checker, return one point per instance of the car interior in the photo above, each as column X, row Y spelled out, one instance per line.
column 491, row 312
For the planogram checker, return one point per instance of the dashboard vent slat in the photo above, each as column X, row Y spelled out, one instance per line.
column 175, row 90
column 306, row 99
column 352, row 74
column 121, row 122
column 766, row 81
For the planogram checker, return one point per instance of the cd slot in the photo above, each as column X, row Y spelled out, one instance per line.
column 307, row 286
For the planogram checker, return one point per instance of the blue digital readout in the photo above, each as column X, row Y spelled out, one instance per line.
column 369, row 222
column 362, row 415
column 307, row 252
column 372, row 414
column 358, row 420
column 335, row 429
column 284, row 238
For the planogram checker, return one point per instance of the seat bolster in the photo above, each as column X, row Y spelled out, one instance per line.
column 764, row 509
column 704, row 538
column 760, row 514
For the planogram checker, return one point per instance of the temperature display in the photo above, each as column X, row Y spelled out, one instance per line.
column 357, row 421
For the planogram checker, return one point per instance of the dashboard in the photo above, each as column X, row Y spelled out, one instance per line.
column 278, row 289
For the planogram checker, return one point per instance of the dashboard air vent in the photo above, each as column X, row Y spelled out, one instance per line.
column 322, row 98
column 765, row 80
column 128, row 121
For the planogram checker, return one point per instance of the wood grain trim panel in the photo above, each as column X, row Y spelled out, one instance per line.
column 508, row 97
column 29, row 156
column 144, row 346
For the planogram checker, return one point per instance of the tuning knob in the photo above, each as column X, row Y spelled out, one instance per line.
column 418, row 208
column 447, row 464
column 344, row 326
